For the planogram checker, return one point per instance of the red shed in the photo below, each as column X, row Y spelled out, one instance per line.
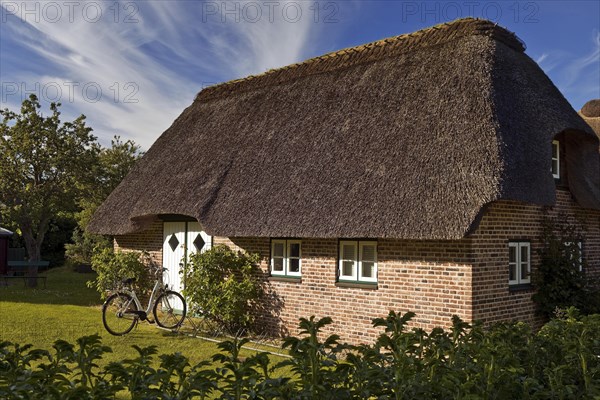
column 5, row 234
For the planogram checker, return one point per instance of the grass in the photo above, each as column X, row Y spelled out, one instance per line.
column 67, row 309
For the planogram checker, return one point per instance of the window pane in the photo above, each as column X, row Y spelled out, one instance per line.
column 512, row 254
column 524, row 271
column 524, row 253
column 368, row 253
column 294, row 250
column 348, row 252
column 278, row 249
column 294, row 265
column 555, row 167
column 368, row 269
column 512, row 272
column 554, row 150
column 278, row 264
column 348, row 268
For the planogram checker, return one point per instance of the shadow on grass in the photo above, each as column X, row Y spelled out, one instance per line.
column 63, row 286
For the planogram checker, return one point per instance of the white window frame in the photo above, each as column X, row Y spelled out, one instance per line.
column 519, row 263
column 579, row 244
column 357, row 260
column 555, row 174
column 287, row 243
column 354, row 275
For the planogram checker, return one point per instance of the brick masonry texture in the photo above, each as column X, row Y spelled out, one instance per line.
column 431, row 278
column 504, row 221
column 435, row 279
column 150, row 240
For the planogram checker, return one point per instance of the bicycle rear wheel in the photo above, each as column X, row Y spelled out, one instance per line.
column 169, row 310
column 119, row 314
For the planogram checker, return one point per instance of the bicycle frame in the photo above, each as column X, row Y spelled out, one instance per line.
column 158, row 288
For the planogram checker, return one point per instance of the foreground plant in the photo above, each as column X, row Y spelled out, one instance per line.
column 561, row 361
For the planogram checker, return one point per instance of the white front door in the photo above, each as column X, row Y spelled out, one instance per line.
column 180, row 240
column 173, row 253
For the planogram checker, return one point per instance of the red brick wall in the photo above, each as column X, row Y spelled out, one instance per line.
column 431, row 278
column 506, row 220
column 150, row 240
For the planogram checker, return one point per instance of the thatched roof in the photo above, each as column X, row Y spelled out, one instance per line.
column 407, row 137
column 591, row 114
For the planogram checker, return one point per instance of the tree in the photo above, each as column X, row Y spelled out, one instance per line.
column 42, row 164
column 113, row 164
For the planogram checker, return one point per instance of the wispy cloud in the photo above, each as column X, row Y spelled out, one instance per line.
column 134, row 76
column 582, row 66
column 541, row 58
column 578, row 78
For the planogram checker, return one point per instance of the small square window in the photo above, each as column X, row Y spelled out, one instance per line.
column 519, row 263
column 358, row 261
column 286, row 257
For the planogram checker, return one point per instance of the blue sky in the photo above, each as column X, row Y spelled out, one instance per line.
column 132, row 66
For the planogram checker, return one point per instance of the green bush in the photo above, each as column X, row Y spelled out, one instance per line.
column 225, row 285
column 504, row 361
column 84, row 246
column 114, row 266
column 560, row 278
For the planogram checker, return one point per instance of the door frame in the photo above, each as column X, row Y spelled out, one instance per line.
column 182, row 219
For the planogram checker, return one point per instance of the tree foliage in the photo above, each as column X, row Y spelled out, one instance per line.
column 54, row 172
column 112, row 165
column 42, row 163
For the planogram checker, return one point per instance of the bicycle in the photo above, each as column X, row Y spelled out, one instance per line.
column 122, row 310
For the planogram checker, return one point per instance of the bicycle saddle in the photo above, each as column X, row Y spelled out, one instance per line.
column 128, row 281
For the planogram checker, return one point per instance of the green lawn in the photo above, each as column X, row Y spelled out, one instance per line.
column 67, row 309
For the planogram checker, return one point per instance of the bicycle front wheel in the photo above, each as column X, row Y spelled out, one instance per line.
column 119, row 314
column 169, row 310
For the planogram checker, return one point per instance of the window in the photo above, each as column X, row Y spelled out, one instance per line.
column 519, row 263
column 286, row 257
column 556, row 159
column 358, row 261
column 575, row 251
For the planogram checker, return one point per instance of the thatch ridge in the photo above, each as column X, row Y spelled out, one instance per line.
column 352, row 56
column 407, row 142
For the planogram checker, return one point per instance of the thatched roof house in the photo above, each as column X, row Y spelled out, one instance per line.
column 411, row 136
column 411, row 173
